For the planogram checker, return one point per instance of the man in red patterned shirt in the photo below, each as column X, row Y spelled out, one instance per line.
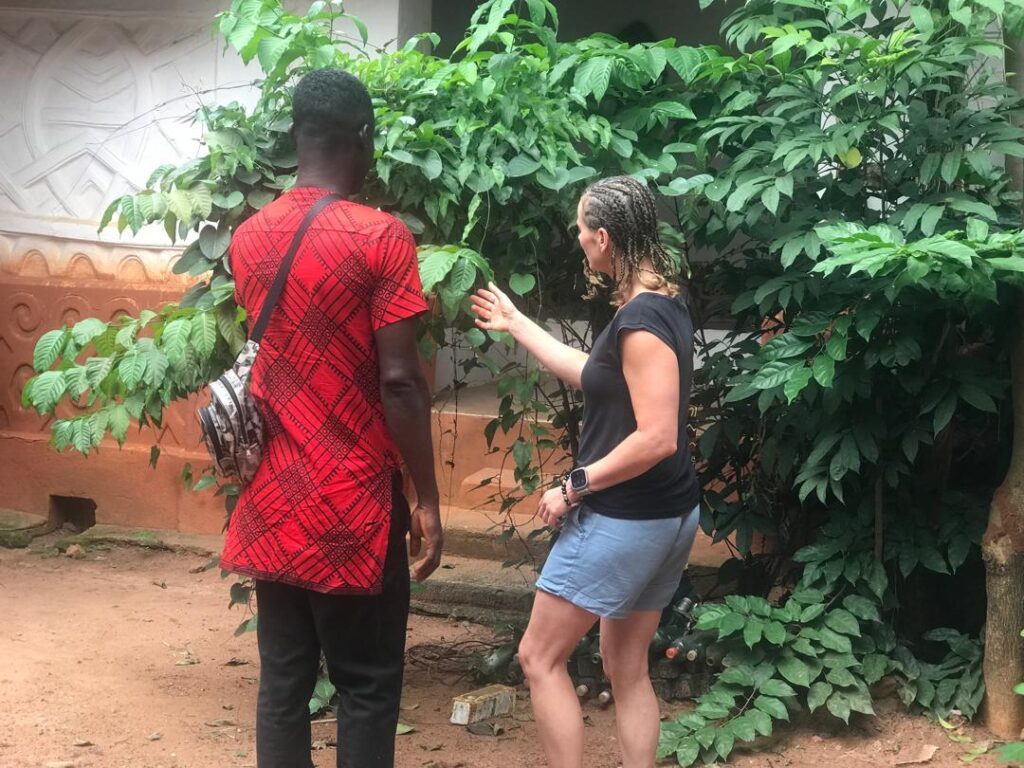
column 321, row 527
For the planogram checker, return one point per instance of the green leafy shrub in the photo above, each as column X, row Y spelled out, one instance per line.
column 955, row 683
column 482, row 154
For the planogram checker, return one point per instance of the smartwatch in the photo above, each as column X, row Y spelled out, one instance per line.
column 579, row 481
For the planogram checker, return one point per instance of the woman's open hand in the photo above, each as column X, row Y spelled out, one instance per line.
column 494, row 310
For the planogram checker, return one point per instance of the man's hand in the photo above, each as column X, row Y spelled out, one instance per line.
column 425, row 530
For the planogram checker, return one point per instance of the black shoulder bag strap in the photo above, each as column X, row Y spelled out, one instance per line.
column 286, row 264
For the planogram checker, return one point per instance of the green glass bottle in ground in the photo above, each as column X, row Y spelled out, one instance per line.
column 691, row 647
column 660, row 642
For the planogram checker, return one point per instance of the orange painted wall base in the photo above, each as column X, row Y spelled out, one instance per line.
column 48, row 282
column 126, row 490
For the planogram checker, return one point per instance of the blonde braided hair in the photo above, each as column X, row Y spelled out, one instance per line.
column 627, row 210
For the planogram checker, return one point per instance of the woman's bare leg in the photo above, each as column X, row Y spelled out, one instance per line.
column 556, row 627
column 624, row 644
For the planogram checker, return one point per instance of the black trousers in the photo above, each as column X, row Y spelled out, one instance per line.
column 362, row 638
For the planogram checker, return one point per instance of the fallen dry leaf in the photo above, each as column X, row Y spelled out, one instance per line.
column 916, row 755
column 975, row 752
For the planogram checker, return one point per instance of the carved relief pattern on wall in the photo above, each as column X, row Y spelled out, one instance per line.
column 93, row 104
column 46, row 283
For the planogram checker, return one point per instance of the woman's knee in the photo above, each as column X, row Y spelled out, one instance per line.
column 529, row 658
column 623, row 668
column 536, row 659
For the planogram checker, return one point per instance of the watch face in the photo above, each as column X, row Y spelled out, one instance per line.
column 578, row 478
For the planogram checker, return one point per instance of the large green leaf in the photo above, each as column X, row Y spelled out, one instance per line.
column 175, row 338
column 152, row 205
column 730, row 623
column 230, row 200
column 687, row 754
column 522, row 284
column 179, row 203
column 843, row 622
column 824, row 370
column 118, row 422
column 156, row 366
column 785, row 346
column 772, row 707
column 839, row 705
column 795, row 670
column 462, row 275
column 131, row 214
column 1012, row 752
column 522, row 165
column 752, row 631
column 776, row 688
column 775, row 373
column 48, row 349
column 685, row 61
column 84, row 331
column 132, row 368
column 108, row 214
column 47, row 389
column 269, row 51
column 202, row 201
column 861, row 607
column 431, row 164
column 203, row 332
column 97, row 369
column 214, row 241
column 818, row 695
column 775, row 633
column 594, row 76
column 434, row 265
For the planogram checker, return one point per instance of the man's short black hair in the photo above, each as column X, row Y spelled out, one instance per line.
column 331, row 106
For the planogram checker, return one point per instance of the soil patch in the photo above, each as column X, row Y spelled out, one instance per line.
column 126, row 658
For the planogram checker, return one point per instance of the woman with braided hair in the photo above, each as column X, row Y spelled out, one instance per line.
column 628, row 511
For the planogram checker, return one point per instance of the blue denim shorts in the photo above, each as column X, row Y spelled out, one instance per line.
column 610, row 567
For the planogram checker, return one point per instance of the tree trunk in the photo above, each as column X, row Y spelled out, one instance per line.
column 1003, row 544
column 1003, row 551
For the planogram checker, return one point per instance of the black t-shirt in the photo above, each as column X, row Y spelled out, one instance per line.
column 669, row 488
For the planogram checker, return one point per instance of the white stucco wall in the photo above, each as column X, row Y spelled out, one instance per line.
column 97, row 93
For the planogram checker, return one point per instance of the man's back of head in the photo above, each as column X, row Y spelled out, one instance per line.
column 333, row 125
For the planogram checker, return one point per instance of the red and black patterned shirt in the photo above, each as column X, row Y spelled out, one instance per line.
column 317, row 513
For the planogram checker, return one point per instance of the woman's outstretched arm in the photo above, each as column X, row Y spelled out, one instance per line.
column 496, row 312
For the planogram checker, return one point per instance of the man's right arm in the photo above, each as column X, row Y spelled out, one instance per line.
column 406, row 401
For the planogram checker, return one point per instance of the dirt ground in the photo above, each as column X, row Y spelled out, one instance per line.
column 126, row 658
